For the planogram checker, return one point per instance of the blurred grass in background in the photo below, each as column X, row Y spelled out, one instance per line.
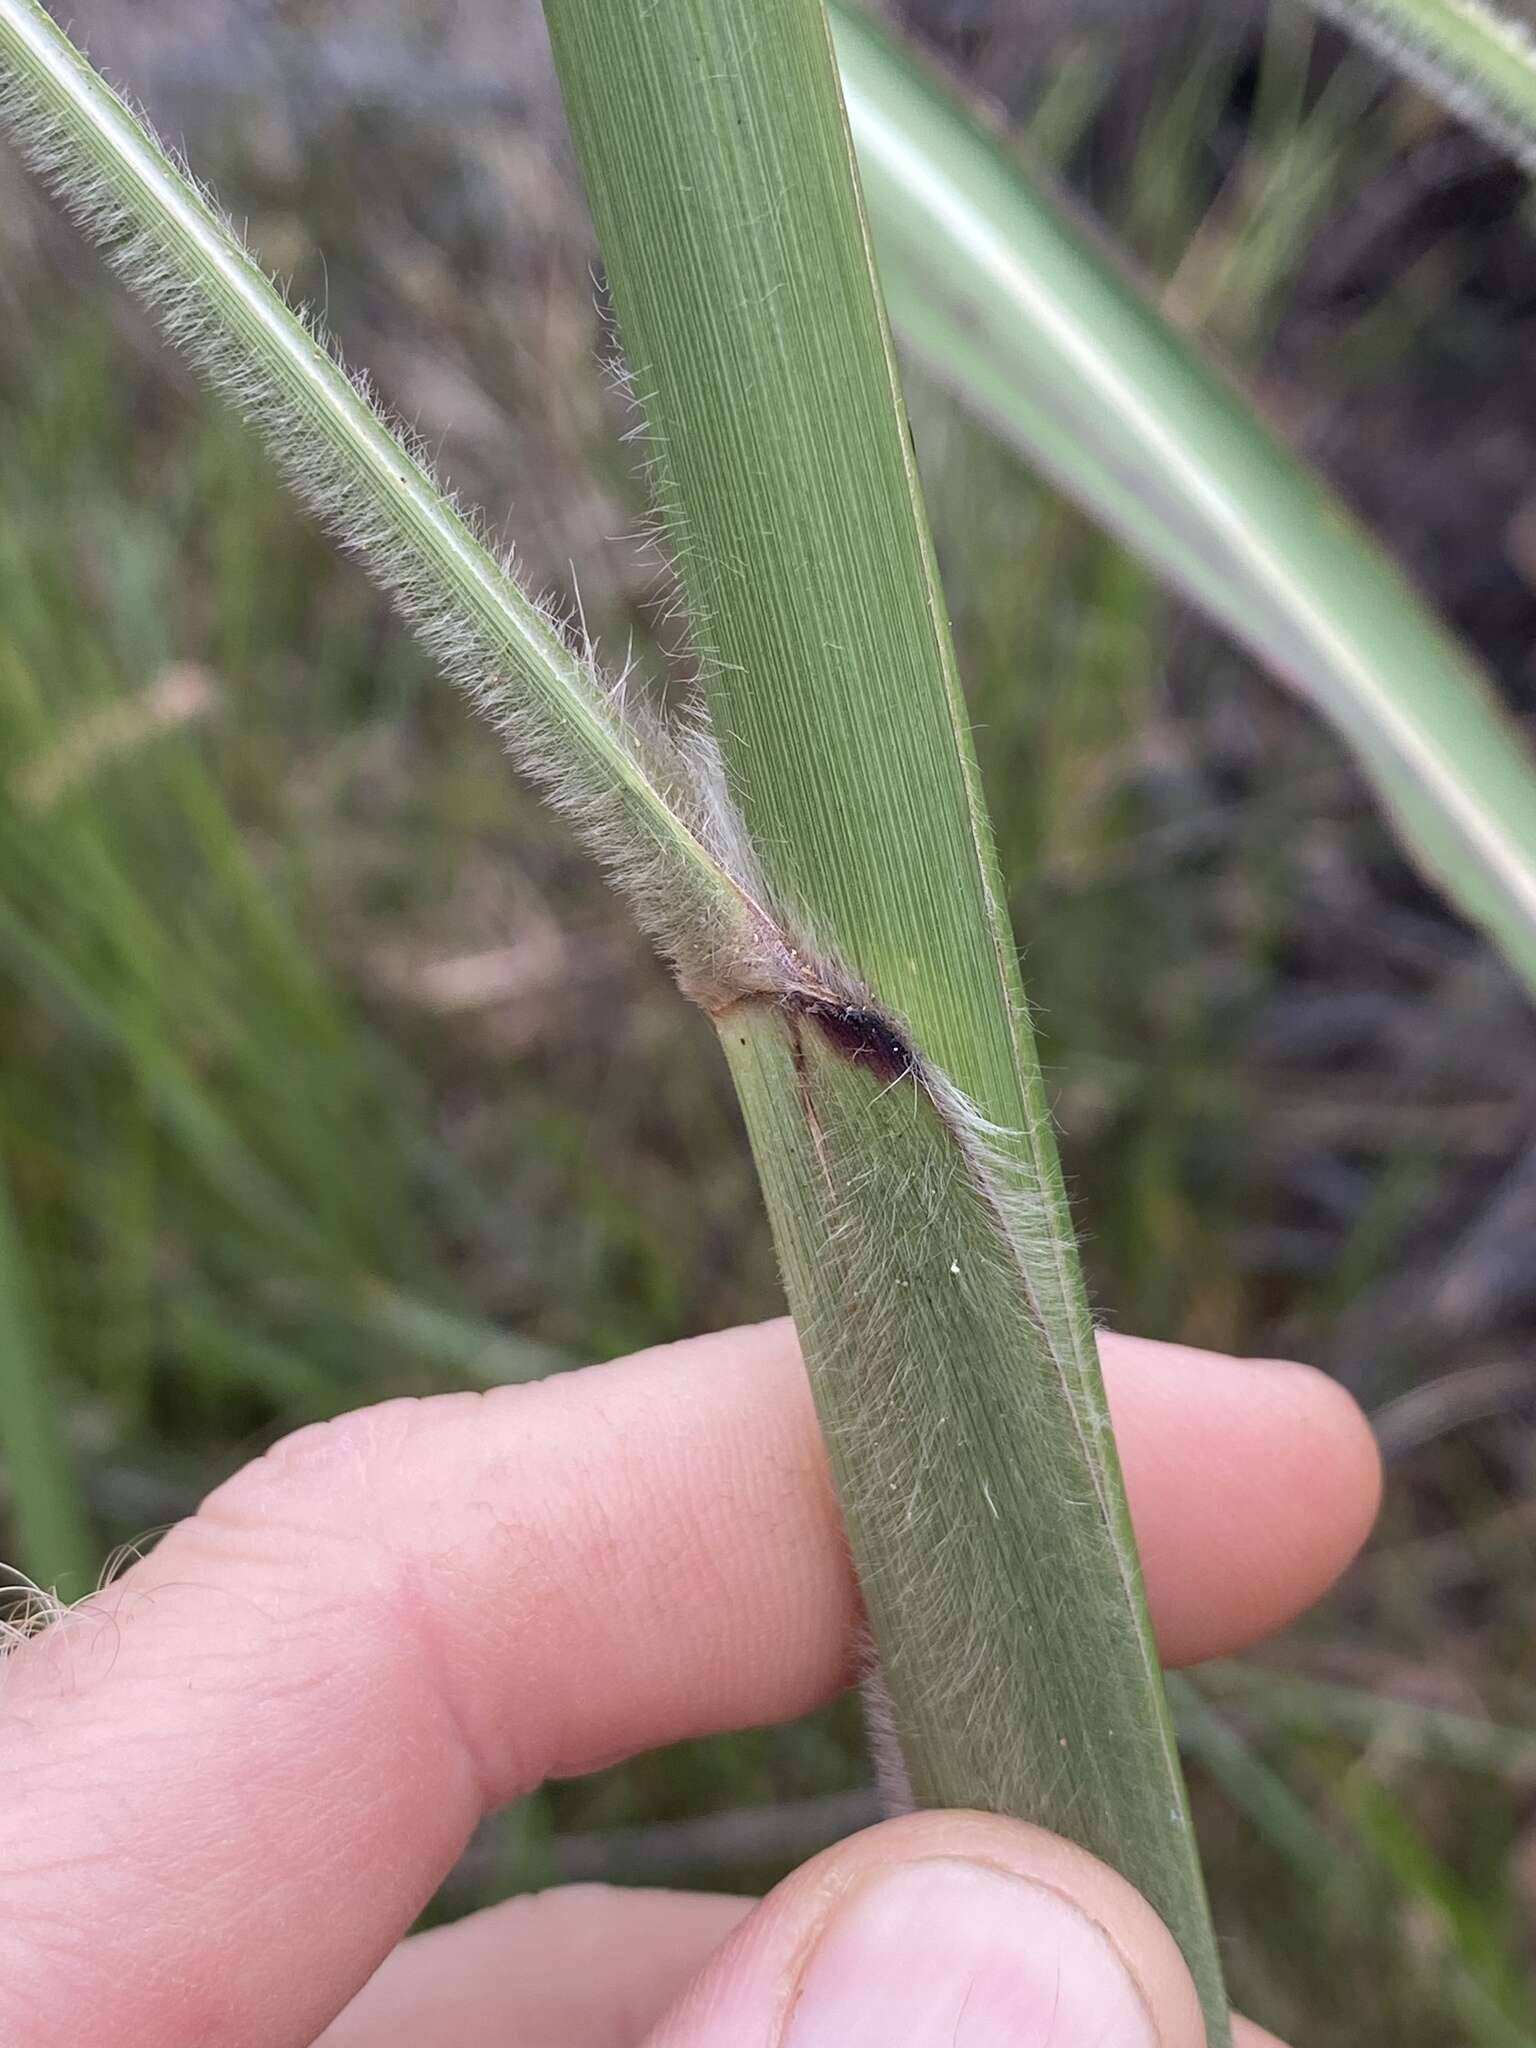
column 331, row 1071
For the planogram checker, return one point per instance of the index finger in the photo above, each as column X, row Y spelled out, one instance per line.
column 232, row 1782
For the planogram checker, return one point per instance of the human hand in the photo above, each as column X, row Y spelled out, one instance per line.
column 232, row 1781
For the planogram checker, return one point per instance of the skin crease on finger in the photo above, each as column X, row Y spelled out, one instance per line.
column 287, row 1719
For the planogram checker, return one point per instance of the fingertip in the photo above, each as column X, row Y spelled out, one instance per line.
column 1320, row 1470
column 959, row 1930
column 1253, row 1484
column 1342, row 1447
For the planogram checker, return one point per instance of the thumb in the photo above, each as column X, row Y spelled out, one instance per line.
column 944, row 1930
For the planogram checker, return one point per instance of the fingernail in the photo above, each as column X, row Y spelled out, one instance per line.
column 949, row 1954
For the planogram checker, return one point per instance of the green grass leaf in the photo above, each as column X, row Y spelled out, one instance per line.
column 890, row 1085
column 47, row 1505
column 1014, row 306
column 1478, row 61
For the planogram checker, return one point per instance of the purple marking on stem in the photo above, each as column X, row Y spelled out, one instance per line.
column 861, row 1036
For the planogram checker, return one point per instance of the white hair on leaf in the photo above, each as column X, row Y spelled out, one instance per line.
column 646, row 795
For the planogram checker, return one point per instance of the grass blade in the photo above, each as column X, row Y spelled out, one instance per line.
column 628, row 786
column 1418, row 1733
column 1014, row 307
column 890, row 1084
column 456, row 1345
column 48, row 1513
column 1478, row 61
column 1253, row 1787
